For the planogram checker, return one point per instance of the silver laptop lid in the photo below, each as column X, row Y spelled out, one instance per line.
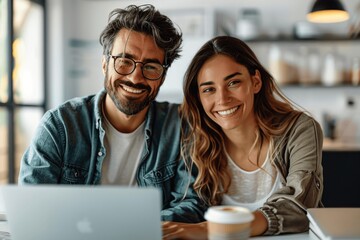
column 58, row 212
column 334, row 223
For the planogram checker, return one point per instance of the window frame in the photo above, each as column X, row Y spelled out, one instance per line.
column 11, row 106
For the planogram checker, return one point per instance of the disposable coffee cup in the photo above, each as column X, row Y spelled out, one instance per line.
column 228, row 222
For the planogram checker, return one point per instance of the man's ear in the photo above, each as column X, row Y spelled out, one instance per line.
column 257, row 81
column 104, row 64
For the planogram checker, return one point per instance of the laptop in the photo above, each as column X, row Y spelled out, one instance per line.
column 334, row 223
column 58, row 212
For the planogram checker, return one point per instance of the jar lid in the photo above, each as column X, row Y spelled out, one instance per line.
column 228, row 214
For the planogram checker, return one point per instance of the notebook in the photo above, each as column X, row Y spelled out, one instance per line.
column 334, row 223
column 58, row 212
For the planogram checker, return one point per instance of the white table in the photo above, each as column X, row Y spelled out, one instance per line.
column 300, row 236
column 297, row 236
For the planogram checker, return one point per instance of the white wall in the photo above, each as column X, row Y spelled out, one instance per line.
column 75, row 54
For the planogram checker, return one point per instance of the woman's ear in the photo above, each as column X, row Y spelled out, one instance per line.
column 257, row 82
column 104, row 63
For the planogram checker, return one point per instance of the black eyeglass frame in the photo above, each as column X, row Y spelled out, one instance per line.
column 165, row 67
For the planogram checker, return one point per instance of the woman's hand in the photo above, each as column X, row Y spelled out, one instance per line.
column 188, row 231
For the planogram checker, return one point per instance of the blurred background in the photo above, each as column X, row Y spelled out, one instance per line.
column 49, row 52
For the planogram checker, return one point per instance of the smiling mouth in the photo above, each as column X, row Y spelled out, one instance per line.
column 228, row 112
column 132, row 90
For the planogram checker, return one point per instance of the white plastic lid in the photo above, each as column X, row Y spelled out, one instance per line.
column 228, row 214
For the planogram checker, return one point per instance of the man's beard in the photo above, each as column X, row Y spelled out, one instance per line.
column 128, row 106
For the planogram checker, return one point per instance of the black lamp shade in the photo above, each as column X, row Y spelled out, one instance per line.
column 321, row 5
column 328, row 11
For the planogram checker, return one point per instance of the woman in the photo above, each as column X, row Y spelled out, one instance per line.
column 249, row 143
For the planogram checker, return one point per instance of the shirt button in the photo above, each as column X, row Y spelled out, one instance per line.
column 158, row 174
column 100, row 154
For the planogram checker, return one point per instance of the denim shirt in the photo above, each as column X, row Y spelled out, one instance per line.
column 68, row 148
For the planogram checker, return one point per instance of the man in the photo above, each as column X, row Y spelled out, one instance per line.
column 121, row 135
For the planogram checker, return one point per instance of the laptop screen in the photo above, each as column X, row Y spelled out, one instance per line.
column 61, row 212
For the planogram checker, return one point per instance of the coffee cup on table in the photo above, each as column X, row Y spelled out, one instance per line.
column 228, row 222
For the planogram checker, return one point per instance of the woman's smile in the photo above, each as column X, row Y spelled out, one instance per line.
column 225, row 113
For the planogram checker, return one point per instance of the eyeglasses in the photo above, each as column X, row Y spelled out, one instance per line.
column 126, row 66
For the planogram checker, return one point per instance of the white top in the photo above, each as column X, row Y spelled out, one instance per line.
column 123, row 152
column 251, row 189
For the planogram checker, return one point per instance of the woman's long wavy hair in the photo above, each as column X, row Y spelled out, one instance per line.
column 203, row 139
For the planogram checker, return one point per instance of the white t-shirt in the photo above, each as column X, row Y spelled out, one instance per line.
column 251, row 189
column 123, row 152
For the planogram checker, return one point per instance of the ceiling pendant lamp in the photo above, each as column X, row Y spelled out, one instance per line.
column 327, row 11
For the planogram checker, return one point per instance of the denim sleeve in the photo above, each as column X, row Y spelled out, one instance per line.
column 41, row 162
column 185, row 206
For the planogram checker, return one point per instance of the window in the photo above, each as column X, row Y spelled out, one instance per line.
column 22, row 79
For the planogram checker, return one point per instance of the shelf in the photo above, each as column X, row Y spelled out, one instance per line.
column 331, row 145
column 304, row 86
column 292, row 39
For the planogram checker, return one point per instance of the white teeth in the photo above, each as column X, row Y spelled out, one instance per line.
column 132, row 90
column 227, row 112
